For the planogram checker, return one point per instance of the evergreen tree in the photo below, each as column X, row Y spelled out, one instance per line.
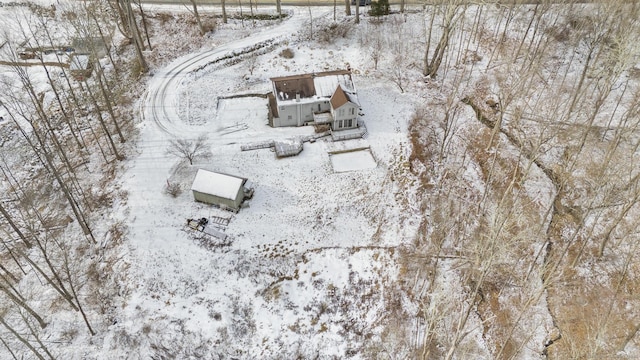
column 380, row 7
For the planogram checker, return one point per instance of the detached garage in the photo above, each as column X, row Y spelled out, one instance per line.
column 225, row 191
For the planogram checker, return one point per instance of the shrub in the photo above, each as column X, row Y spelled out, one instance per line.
column 287, row 53
column 173, row 189
column 210, row 25
column 380, row 7
column 330, row 32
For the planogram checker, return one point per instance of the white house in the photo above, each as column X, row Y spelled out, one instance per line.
column 318, row 98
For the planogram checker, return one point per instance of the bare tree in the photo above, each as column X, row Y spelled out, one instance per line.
column 398, row 72
column 189, row 149
column 144, row 24
column 252, row 63
column 310, row 20
column 129, row 28
column 376, row 50
column 47, row 144
column 70, row 279
column 451, row 11
column 194, row 6
column 224, row 10
column 18, row 336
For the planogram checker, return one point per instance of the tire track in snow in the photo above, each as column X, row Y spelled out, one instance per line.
column 161, row 102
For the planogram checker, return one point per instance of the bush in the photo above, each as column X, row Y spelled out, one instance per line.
column 330, row 32
column 380, row 7
column 173, row 189
column 210, row 25
column 287, row 53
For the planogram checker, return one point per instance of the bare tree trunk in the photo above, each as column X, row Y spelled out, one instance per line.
column 52, row 84
column 335, row 9
column 20, row 302
column 104, row 38
column 12, row 277
column 20, row 338
column 46, row 154
column 13, row 355
column 194, row 6
column 123, row 24
column 347, row 7
column 144, row 24
column 426, row 69
column 224, row 9
column 450, row 16
column 13, row 256
column 114, row 149
column 15, row 228
column 357, row 11
column 310, row 20
column 35, row 335
column 72, row 287
column 134, row 34
column 108, row 99
column 253, row 19
column 62, row 291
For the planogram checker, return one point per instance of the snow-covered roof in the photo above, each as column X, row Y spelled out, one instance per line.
column 326, row 85
column 312, row 86
column 353, row 98
column 217, row 184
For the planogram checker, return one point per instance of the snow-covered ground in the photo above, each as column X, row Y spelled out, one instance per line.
column 314, row 247
column 432, row 235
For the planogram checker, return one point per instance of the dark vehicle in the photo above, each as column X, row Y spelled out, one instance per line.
column 362, row 2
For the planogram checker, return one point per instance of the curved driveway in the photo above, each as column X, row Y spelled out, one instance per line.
column 150, row 169
column 162, row 101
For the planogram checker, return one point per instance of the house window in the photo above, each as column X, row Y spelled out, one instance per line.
column 289, row 117
column 353, row 111
column 348, row 123
column 339, row 124
column 341, row 112
column 318, row 107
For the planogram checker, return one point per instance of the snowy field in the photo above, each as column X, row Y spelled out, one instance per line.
column 306, row 255
column 353, row 161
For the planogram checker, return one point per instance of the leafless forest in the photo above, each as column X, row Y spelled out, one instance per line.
column 521, row 172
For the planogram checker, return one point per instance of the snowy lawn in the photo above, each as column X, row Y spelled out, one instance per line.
column 353, row 161
column 305, row 252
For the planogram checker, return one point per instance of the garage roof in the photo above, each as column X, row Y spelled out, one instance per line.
column 217, row 184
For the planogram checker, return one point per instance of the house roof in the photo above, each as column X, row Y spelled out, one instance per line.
column 318, row 85
column 217, row 184
column 340, row 97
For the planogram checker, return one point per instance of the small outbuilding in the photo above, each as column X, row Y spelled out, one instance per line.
column 222, row 190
